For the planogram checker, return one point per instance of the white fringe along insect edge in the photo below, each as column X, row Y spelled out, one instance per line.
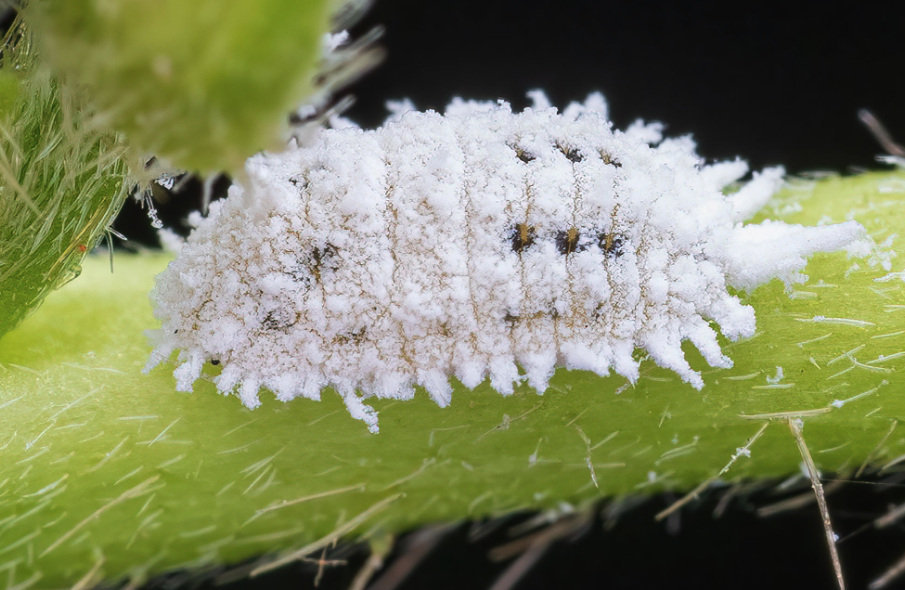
column 471, row 244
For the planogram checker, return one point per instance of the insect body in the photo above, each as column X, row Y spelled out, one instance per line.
column 472, row 244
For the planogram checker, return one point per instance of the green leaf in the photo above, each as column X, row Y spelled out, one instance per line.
column 61, row 181
column 202, row 83
column 10, row 87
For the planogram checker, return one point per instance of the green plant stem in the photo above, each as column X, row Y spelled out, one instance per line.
column 103, row 465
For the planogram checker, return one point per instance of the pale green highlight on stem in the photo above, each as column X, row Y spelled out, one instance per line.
column 100, row 462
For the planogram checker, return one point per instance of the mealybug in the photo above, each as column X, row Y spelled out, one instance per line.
column 480, row 243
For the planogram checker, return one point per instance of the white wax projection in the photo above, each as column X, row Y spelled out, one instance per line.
column 473, row 244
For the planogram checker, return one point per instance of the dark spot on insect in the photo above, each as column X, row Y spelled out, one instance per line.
column 522, row 154
column 600, row 315
column 567, row 241
column 611, row 244
column 278, row 319
column 300, row 183
column 514, row 319
column 356, row 336
column 310, row 268
column 571, row 154
column 175, row 331
column 522, row 237
column 270, row 322
column 609, row 160
column 215, row 362
column 323, row 259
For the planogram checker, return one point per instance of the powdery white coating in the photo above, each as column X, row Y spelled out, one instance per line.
column 471, row 244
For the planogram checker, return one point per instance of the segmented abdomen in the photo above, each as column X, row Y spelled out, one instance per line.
column 468, row 245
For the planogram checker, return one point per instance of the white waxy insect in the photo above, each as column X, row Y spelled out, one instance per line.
column 472, row 244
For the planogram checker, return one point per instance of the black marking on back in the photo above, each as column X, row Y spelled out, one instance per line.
column 278, row 319
column 571, row 154
column 512, row 320
column 610, row 160
column 348, row 337
column 522, row 155
column 611, row 244
column 522, row 237
column 323, row 259
column 309, row 269
column 567, row 241
column 299, row 182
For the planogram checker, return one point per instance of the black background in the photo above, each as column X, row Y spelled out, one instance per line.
column 735, row 551
column 773, row 82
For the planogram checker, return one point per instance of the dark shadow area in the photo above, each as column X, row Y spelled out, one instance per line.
column 715, row 542
column 773, row 82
